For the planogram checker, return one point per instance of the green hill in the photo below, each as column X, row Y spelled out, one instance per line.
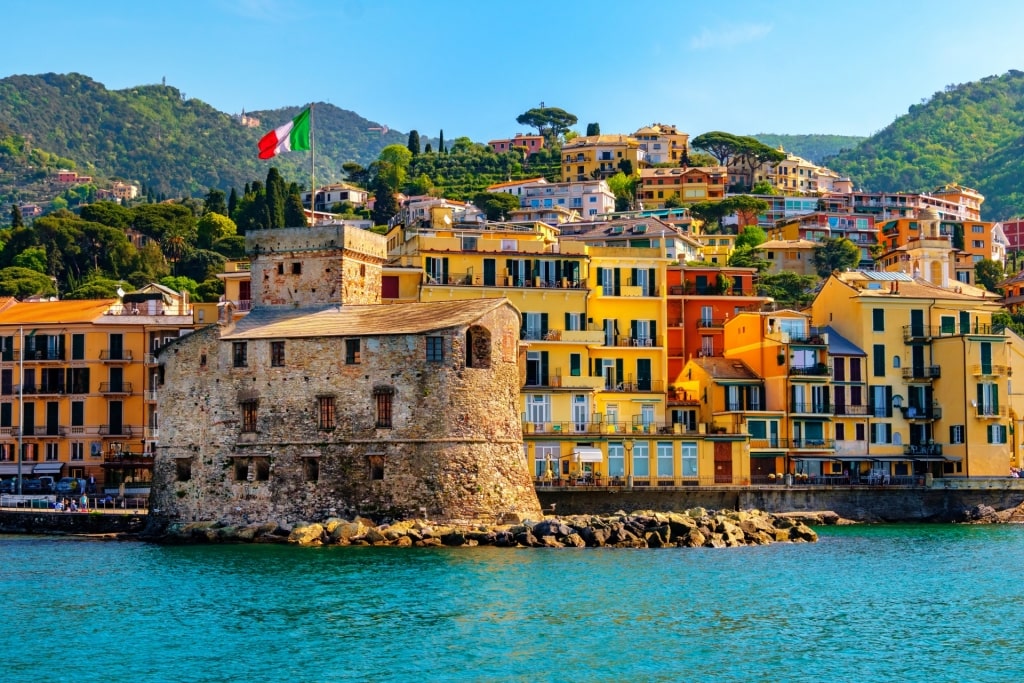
column 173, row 145
column 811, row 147
column 972, row 134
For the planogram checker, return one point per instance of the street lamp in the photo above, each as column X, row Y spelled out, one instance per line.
column 629, row 463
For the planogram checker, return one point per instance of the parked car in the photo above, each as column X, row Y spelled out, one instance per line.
column 48, row 483
column 70, row 486
column 31, row 487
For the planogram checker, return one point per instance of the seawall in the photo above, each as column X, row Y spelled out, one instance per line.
column 945, row 501
column 74, row 523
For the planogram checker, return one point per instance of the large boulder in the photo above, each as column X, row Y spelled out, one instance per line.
column 312, row 534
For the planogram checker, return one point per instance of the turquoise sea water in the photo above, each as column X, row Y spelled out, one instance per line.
column 867, row 603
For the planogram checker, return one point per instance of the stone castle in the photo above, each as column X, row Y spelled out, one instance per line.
column 323, row 402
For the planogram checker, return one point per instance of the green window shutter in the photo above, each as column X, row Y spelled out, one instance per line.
column 522, row 326
column 651, row 274
column 981, row 395
column 632, row 329
column 444, row 270
column 566, row 321
column 888, row 403
column 600, row 277
column 618, row 282
column 619, row 371
column 654, row 331
column 574, row 364
column 633, row 276
column 544, row 368
column 543, row 324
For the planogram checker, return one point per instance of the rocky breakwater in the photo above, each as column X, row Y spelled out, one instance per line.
column 695, row 528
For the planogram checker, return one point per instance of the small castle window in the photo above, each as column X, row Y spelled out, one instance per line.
column 240, row 354
column 351, row 352
column 249, row 414
column 383, row 397
column 261, row 469
column 277, row 354
column 202, row 360
column 297, row 268
column 435, row 349
column 326, row 412
column 478, row 347
column 376, row 463
column 241, row 469
column 183, row 469
column 311, row 469
column 280, row 269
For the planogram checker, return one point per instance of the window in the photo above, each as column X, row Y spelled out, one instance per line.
column 351, row 352
column 77, row 450
column 260, row 469
column 996, row 434
column 840, row 431
column 689, row 453
column 896, row 362
column 276, row 354
column 375, row 462
column 575, row 361
column 249, row 416
column 297, row 268
column 978, row 228
column 311, row 469
column 956, row 433
column 878, row 320
column 51, row 451
column 538, row 411
column 881, row 432
column 665, row 464
column 325, row 411
column 240, row 354
column 183, row 469
column 641, row 459
column 241, row 469
column 616, row 460
column 383, row 397
column 978, row 244
column 435, row 349
column 878, row 360
column 78, row 347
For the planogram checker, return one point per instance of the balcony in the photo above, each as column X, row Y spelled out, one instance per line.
column 922, row 414
column 922, row 373
column 923, row 449
column 639, row 342
column 655, row 386
column 115, row 430
column 768, row 443
column 150, row 394
column 116, row 355
column 816, row 370
column 711, row 323
column 115, row 387
column 990, row 412
column 813, row 408
column 918, row 333
column 989, row 370
column 843, row 410
column 812, row 444
column 813, row 338
column 43, row 355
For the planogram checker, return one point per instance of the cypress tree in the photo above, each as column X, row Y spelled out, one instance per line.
column 414, row 142
column 17, row 221
column 593, row 129
column 428, row 149
column 232, row 203
column 276, row 194
column 440, row 144
column 294, row 216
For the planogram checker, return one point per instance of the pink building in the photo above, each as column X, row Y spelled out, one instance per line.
column 532, row 143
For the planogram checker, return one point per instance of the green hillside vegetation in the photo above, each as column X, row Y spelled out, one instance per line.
column 172, row 145
column 815, row 148
column 972, row 134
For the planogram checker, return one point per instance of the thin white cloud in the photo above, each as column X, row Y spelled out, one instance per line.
column 728, row 36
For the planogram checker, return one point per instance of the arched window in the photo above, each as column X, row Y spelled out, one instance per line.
column 896, row 362
column 478, row 347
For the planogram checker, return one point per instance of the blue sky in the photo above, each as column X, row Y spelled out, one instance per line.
column 471, row 67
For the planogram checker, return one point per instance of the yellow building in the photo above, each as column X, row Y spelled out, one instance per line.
column 77, row 386
column 663, row 143
column 937, row 374
column 600, row 156
column 794, row 256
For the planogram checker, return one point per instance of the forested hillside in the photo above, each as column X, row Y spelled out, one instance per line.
column 971, row 134
column 174, row 146
column 814, row 148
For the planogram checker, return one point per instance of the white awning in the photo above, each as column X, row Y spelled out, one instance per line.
column 587, row 455
column 48, row 468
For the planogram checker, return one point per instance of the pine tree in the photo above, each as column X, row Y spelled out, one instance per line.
column 440, row 144
column 414, row 142
column 593, row 129
column 232, row 202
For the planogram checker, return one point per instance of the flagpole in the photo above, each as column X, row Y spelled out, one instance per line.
column 312, row 167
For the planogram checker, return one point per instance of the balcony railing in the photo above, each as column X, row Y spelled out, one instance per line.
column 116, row 355
column 477, row 280
column 115, row 387
column 816, row 370
column 818, row 407
column 983, row 370
column 115, row 430
column 923, row 449
column 43, row 354
column 926, row 332
column 711, row 323
column 922, row 372
column 916, row 413
column 37, row 389
column 652, row 342
column 990, row 412
column 845, row 409
column 812, row 443
column 150, row 394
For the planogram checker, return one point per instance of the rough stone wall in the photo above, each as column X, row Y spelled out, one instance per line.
column 454, row 452
column 307, row 266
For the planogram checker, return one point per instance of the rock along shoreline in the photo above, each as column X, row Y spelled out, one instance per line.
column 693, row 528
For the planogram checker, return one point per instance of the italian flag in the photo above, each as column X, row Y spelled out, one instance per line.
column 292, row 136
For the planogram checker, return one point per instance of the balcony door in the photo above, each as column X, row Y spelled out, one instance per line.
column 115, row 417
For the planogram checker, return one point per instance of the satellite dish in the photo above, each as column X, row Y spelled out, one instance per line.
column 447, row 219
column 120, row 293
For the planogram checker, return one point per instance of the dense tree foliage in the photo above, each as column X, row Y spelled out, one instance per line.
column 972, row 134
column 551, row 122
column 835, row 253
column 789, row 289
column 815, row 148
column 988, row 274
column 496, row 205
